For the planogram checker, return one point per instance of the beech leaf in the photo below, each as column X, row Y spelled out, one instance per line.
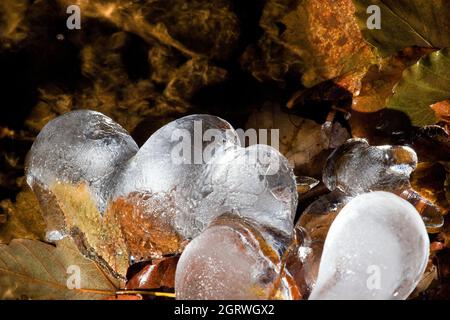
column 23, row 218
column 406, row 23
column 31, row 269
column 422, row 85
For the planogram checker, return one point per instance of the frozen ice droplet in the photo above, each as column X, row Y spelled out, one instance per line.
column 256, row 182
column 356, row 167
column 233, row 259
column 79, row 147
column 376, row 248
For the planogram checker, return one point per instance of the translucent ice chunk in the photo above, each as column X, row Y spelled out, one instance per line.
column 256, row 182
column 79, row 147
column 233, row 259
column 175, row 155
column 356, row 167
column 376, row 248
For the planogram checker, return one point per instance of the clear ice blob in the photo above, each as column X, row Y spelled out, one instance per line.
column 356, row 167
column 256, row 182
column 79, row 147
column 236, row 259
column 376, row 248
column 157, row 198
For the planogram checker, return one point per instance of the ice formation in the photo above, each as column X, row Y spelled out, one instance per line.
column 187, row 173
column 233, row 258
column 256, row 182
column 356, row 167
column 79, row 147
column 376, row 248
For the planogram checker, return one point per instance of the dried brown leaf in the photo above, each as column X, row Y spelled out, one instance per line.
column 98, row 237
column 36, row 270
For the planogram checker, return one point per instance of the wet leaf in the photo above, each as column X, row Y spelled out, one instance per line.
column 35, row 270
column 429, row 181
column 422, row 85
column 23, row 218
column 406, row 23
column 159, row 274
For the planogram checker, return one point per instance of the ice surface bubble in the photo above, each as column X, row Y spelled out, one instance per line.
column 256, row 182
column 79, row 147
column 376, row 248
column 356, row 167
column 233, row 259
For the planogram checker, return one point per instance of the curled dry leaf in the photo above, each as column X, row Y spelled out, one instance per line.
column 31, row 269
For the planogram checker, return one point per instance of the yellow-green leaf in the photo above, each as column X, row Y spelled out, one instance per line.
column 422, row 85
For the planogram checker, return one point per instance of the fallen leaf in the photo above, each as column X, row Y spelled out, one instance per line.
column 315, row 40
column 422, row 85
column 32, row 269
column 159, row 274
column 378, row 82
column 144, row 219
column 402, row 24
column 23, row 218
column 97, row 237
